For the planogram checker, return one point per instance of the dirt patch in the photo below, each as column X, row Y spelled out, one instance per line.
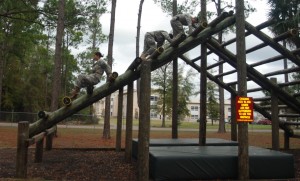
column 71, row 164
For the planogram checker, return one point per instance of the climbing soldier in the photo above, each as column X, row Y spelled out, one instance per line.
column 150, row 40
column 94, row 78
column 180, row 20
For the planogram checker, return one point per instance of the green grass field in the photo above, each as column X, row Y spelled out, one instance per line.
column 193, row 125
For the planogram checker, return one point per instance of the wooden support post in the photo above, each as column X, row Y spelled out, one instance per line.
column 39, row 149
column 203, row 83
column 144, row 123
column 119, row 121
column 39, row 141
column 129, row 120
column 274, row 118
column 49, row 141
column 243, row 147
column 286, row 140
column 233, row 116
column 203, row 96
column 22, row 149
column 175, row 100
column 49, row 137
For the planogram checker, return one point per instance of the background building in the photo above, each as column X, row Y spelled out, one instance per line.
column 193, row 106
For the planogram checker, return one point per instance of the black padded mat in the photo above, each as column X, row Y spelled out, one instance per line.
column 182, row 142
column 217, row 162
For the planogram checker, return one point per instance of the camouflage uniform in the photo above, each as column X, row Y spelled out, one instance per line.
column 92, row 79
column 151, row 38
column 180, row 20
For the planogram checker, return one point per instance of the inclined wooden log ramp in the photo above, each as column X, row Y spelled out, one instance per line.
column 130, row 75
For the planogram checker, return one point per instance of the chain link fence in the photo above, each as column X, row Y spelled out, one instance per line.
column 76, row 119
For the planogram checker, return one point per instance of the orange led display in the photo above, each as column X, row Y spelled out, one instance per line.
column 244, row 109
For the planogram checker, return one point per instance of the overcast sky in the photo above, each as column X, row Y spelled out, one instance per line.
column 154, row 19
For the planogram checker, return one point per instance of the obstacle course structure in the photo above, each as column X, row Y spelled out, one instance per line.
column 203, row 34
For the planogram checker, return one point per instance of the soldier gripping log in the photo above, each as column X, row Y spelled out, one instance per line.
column 154, row 40
column 180, row 20
column 89, row 80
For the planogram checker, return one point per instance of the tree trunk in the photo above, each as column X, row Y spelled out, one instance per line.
column 138, row 32
column 138, row 29
column 221, row 90
column 1, row 71
column 106, row 128
column 56, row 88
column 94, row 41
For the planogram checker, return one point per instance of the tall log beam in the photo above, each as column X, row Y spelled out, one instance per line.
column 201, row 27
column 290, row 115
column 273, row 59
column 258, row 27
column 215, row 64
column 279, row 107
column 127, row 77
column 296, row 82
column 136, row 62
column 225, row 73
column 290, row 33
column 256, row 76
column 266, row 39
column 280, row 37
column 217, row 20
column 209, row 75
column 232, row 91
column 284, row 71
column 255, row 89
column 260, row 80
